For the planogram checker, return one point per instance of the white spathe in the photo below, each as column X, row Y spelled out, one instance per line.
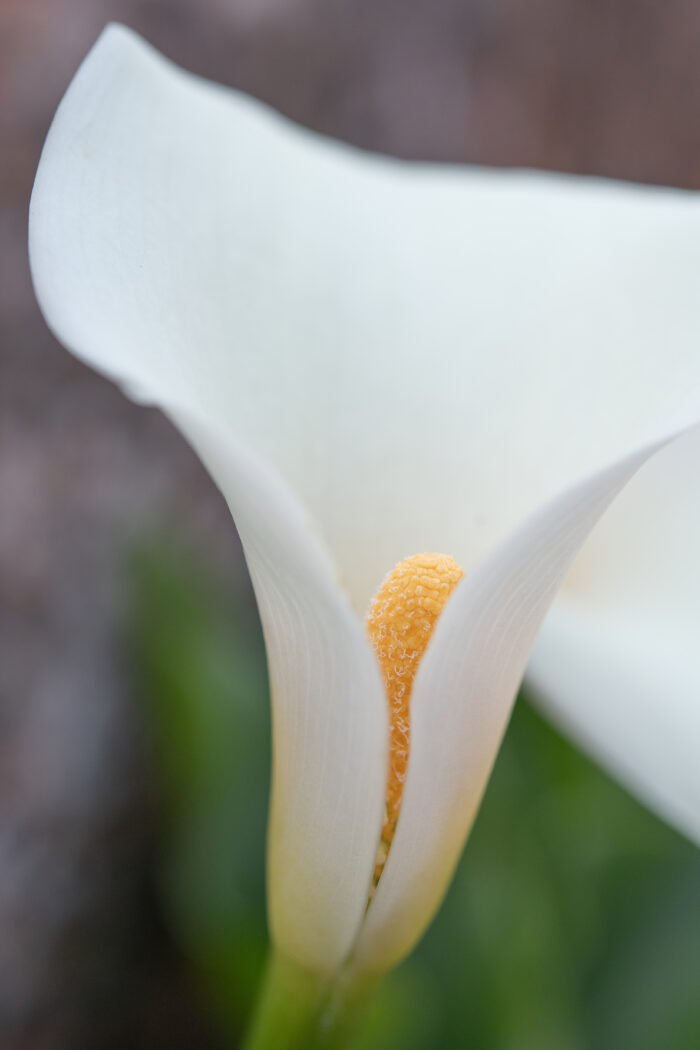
column 375, row 358
column 617, row 662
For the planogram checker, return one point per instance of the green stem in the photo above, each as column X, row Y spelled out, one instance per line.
column 287, row 1013
column 343, row 1010
column 301, row 1010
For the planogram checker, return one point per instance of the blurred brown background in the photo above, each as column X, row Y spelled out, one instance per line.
column 595, row 86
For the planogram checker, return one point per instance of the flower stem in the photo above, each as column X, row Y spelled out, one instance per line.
column 289, row 1007
column 343, row 1010
column 301, row 1010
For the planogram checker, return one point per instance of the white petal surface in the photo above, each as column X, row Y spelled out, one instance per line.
column 114, row 233
column 375, row 330
column 617, row 662
column 329, row 717
column 462, row 699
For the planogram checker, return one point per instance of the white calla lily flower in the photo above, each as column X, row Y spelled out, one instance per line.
column 375, row 358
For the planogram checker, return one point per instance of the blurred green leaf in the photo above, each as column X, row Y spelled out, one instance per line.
column 201, row 663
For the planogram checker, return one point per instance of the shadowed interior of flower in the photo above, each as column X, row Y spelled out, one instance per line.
column 400, row 622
